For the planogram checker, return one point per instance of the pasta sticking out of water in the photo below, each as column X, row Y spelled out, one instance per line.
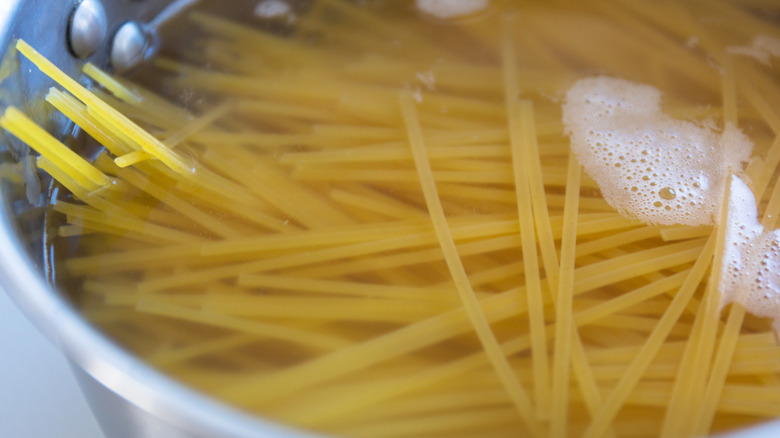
column 388, row 233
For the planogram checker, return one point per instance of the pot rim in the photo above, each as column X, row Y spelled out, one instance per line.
column 85, row 346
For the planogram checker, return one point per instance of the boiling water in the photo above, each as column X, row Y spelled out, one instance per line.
column 384, row 236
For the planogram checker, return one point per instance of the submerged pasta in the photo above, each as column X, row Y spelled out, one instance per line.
column 364, row 222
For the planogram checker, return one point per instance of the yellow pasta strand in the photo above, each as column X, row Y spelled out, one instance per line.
column 105, row 113
column 462, row 285
column 720, row 368
column 77, row 112
column 618, row 397
column 522, row 136
column 564, row 338
column 111, row 84
column 315, row 340
column 132, row 158
column 87, row 176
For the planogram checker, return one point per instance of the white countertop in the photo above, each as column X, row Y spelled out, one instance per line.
column 39, row 397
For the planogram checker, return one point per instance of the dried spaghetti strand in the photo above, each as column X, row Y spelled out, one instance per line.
column 564, row 326
column 264, row 329
column 87, row 176
column 460, row 278
column 521, row 135
column 530, row 262
column 713, row 394
column 132, row 158
column 110, row 84
column 77, row 112
column 105, row 113
column 639, row 365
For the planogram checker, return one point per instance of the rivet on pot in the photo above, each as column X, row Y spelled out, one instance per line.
column 129, row 47
column 87, row 28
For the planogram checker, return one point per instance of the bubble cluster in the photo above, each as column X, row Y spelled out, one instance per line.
column 648, row 165
column 750, row 271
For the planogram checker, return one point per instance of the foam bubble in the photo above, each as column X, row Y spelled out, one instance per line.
column 750, row 271
column 648, row 165
column 447, row 9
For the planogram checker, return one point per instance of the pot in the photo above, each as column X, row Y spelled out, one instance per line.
column 128, row 398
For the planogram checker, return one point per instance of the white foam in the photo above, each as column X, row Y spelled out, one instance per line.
column 762, row 49
column 428, row 79
column 750, row 271
column 447, row 9
column 273, row 9
column 648, row 165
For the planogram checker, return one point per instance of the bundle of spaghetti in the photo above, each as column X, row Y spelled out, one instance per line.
column 386, row 233
column 78, row 169
column 110, row 118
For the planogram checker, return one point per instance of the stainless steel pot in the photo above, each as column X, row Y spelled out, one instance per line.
column 129, row 399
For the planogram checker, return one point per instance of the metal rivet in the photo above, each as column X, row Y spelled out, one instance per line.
column 87, row 28
column 129, row 47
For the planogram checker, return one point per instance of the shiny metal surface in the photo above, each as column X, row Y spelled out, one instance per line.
column 134, row 42
column 87, row 29
column 38, row 381
column 129, row 46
